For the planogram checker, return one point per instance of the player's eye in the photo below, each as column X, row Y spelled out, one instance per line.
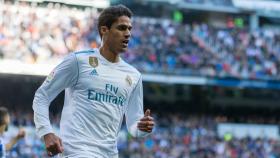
column 124, row 27
column 121, row 27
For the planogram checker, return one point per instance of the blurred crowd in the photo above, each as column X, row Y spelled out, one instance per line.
column 211, row 2
column 31, row 146
column 36, row 34
column 179, row 136
column 176, row 135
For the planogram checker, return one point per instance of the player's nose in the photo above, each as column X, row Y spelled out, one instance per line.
column 127, row 34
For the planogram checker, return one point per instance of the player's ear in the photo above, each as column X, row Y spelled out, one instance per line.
column 104, row 30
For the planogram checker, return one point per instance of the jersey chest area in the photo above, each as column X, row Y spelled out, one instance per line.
column 107, row 83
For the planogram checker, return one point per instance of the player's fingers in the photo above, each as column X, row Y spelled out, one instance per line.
column 142, row 128
column 146, row 123
column 150, row 123
column 49, row 146
column 49, row 153
column 60, row 145
column 150, row 127
column 147, row 118
column 148, row 112
column 149, row 131
column 145, row 129
column 142, row 124
column 52, row 151
column 52, row 147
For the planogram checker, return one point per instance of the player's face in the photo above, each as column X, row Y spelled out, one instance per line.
column 119, row 35
column 4, row 126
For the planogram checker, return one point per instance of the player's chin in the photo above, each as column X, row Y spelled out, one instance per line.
column 123, row 49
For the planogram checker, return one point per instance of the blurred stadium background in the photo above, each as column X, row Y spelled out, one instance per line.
column 211, row 71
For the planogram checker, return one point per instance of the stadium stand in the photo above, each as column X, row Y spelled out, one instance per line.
column 172, row 48
column 211, row 2
column 176, row 136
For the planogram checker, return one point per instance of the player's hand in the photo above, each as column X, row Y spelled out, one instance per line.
column 53, row 144
column 146, row 123
column 21, row 133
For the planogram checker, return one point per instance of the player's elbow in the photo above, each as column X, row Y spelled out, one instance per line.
column 40, row 98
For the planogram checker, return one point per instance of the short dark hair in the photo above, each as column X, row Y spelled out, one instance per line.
column 3, row 113
column 109, row 15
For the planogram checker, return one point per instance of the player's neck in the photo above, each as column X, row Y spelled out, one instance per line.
column 109, row 55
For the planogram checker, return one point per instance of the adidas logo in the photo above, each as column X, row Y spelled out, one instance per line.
column 94, row 73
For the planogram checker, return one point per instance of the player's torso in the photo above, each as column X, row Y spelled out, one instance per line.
column 101, row 94
column 105, row 83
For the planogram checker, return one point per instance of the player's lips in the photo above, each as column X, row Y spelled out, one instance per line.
column 125, row 43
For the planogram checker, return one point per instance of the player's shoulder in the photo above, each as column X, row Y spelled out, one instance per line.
column 131, row 69
column 83, row 55
column 133, row 75
column 85, row 52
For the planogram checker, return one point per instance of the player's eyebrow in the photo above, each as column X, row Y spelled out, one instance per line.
column 124, row 27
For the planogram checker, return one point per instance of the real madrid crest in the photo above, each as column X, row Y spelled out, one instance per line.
column 93, row 61
column 128, row 80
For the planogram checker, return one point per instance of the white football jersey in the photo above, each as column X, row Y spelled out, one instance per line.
column 98, row 94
